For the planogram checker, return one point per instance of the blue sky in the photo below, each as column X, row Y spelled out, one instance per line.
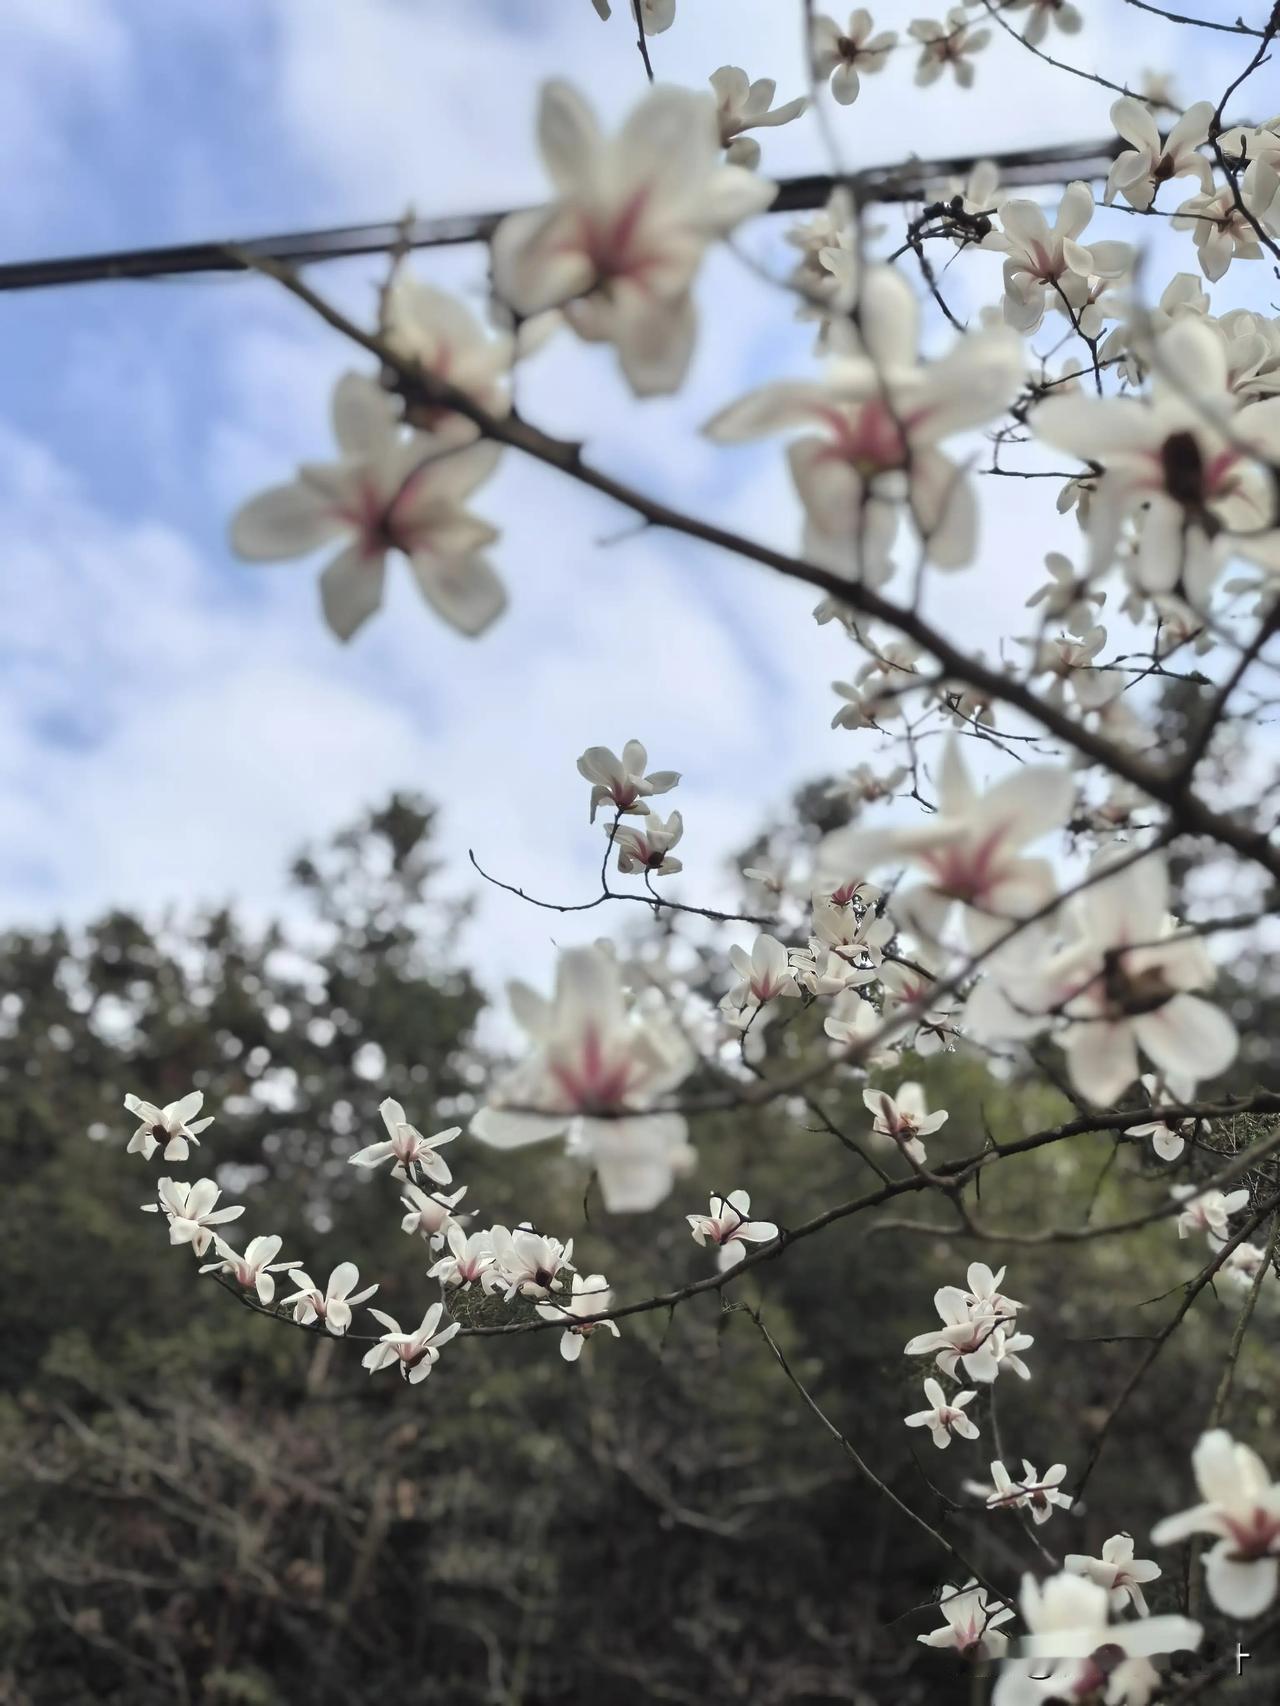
column 173, row 723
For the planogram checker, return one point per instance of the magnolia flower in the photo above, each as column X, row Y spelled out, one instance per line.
column 1039, row 1494
column 1220, row 230
column 848, row 52
column 1139, row 171
column 971, row 1623
column 1118, row 1571
column 1043, row 13
column 622, row 780
column 441, row 335
column 429, row 1216
column 947, row 44
column 656, row 16
column 334, row 1304
column 983, row 1296
column 1090, row 1657
column 970, row 850
column 1167, row 1143
column 742, row 105
column 727, row 1227
column 1066, row 658
column 764, row 974
column 909, row 989
column 1124, row 983
column 620, row 247
column 863, row 785
column 1049, row 268
column 525, row 1263
column 590, row 1296
column 972, row 1337
column 880, row 416
column 1207, row 1211
column 598, row 1063
column 468, row 1260
column 904, row 1118
column 944, row 1416
column 173, row 1122
column 977, row 197
column 1066, row 595
column 1186, row 463
column 418, row 1352
column 390, row 491
column 1242, row 1508
column 647, row 846
column 1243, row 1264
column 253, row 1271
column 191, row 1211
column 406, row 1148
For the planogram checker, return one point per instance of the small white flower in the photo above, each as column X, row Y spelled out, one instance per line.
column 1038, row 1494
column 406, row 1148
column 254, row 1270
column 173, row 1124
column 1242, row 1509
column 525, row 1263
column 334, row 1304
column 469, row 1258
column 429, row 1215
column 727, row 1226
column 1139, row 171
column 622, row 781
column 944, row 1416
column 591, row 1296
column 1207, row 1211
column 742, row 105
column 647, row 846
column 904, row 1118
column 191, row 1211
column 1167, row 1142
column 1118, row 1571
column 972, row 1620
column 844, row 54
column 416, row 1353
column 947, row 44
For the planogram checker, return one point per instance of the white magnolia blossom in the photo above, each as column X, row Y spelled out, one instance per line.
column 467, row 1260
column 1118, row 1571
column 864, row 786
column 647, row 845
column 975, row 1331
column 391, row 490
column 1186, row 464
column 764, row 974
column 971, row 849
column 429, row 1215
column 622, row 781
column 415, row 1353
column 944, row 1415
column 1167, row 1141
column 441, row 335
column 1138, row 172
column 331, row 1307
column 1124, row 983
column 846, row 54
column 727, row 1226
column 972, row 1623
column 1072, row 1651
column 852, row 1022
column 1049, row 268
column 742, row 105
column 657, row 15
column 1040, row 1495
column 191, row 1211
column 1241, row 1509
column 1243, row 1264
column 908, row 991
column 405, row 1147
column 1060, row 13
column 598, row 1063
column 254, row 1270
column 526, row 1263
column 904, row 1118
column 1066, row 595
column 1221, row 230
column 880, row 417
column 1207, row 1211
column 947, row 44
column 621, row 245
column 173, row 1123
column 591, row 1295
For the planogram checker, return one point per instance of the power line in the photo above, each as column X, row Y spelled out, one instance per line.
column 1024, row 167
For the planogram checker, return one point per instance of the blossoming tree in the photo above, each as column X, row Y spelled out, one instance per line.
column 1026, row 871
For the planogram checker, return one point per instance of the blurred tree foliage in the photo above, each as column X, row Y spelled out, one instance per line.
column 208, row 1508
